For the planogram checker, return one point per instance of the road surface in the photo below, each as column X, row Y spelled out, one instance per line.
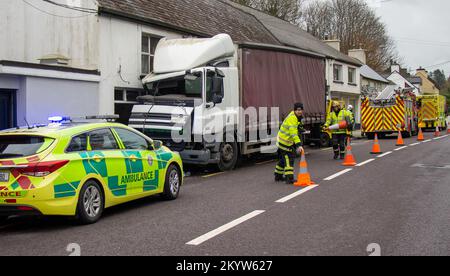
column 396, row 203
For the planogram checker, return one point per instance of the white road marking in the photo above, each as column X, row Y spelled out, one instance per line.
column 224, row 228
column 415, row 144
column 426, row 141
column 365, row 162
column 400, row 148
column 337, row 174
column 385, row 154
column 296, row 194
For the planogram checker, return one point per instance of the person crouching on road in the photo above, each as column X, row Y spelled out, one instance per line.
column 289, row 143
column 336, row 116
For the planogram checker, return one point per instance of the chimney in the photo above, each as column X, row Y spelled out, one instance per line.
column 55, row 59
column 335, row 43
column 359, row 54
column 422, row 70
column 395, row 68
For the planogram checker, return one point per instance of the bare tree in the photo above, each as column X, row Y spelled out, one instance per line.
column 356, row 25
column 289, row 10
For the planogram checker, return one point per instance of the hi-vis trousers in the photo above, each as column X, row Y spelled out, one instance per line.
column 285, row 164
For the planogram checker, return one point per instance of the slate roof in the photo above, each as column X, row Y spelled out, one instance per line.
column 211, row 17
column 198, row 17
column 294, row 36
column 369, row 73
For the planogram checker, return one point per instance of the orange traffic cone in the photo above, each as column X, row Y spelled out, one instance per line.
column 400, row 141
column 420, row 138
column 349, row 160
column 437, row 133
column 304, row 178
column 376, row 146
column 448, row 129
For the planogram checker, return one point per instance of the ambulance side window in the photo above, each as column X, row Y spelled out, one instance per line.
column 102, row 139
column 78, row 143
column 131, row 140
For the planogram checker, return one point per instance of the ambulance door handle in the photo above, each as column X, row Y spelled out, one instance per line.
column 133, row 158
column 98, row 158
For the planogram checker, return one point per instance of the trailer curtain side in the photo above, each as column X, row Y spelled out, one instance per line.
column 280, row 79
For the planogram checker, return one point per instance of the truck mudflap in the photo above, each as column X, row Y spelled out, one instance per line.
column 199, row 157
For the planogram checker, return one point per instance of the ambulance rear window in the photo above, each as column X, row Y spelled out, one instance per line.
column 16, row 146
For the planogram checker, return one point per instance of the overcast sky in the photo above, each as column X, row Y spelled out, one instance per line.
column 421, row 30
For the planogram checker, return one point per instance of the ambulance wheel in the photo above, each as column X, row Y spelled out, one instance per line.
column 228, row 156
column 172, row 183
column 370, row 136
column 91, row 203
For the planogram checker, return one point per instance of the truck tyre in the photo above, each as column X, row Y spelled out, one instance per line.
column 325, row 140
column 370, row 136
column 91, row 203
column 172, row 183
column 229, row 153
column 3, row 219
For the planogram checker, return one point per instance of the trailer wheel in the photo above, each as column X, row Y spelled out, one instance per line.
column 228, row 156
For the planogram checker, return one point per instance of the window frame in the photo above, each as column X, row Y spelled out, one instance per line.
column 340, row 75
column 353, row 75
column 149, row 55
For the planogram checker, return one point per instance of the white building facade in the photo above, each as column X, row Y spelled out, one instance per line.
column 107, row 58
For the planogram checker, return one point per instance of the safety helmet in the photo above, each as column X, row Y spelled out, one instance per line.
column 350, row 107
column 336, row 104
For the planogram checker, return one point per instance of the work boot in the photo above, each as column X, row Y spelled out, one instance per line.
column 336, row 155
column 290, row 180
column 279, row 178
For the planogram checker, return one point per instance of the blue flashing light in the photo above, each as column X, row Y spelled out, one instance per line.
column 58, row 119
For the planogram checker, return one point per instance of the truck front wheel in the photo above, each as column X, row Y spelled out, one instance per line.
column 228, row 156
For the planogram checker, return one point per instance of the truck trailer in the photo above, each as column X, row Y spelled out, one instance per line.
column 227, row 99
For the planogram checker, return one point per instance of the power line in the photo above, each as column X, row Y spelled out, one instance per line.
column 436, row 65
column 80, row 9
column 55, row 15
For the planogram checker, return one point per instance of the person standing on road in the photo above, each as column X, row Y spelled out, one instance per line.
column 336, row 116
column 289, row 143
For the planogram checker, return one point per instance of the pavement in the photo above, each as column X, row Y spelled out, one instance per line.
column 396, row 203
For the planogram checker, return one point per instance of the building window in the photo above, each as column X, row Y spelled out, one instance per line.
column 148, row 49
column 337, row 69
column 351, row 75
column 124, row 100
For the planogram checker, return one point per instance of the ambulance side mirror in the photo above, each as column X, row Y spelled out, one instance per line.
column 157, row 145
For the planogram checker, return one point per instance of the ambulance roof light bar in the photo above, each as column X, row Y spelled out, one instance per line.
column 62, row 119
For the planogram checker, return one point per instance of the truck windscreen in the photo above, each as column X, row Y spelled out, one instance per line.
column 191, row 88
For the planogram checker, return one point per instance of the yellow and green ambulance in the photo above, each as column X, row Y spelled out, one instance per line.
column 79, row 169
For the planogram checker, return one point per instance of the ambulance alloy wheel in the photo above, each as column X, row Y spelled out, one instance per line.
column 172, row 184
column 91, row 203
